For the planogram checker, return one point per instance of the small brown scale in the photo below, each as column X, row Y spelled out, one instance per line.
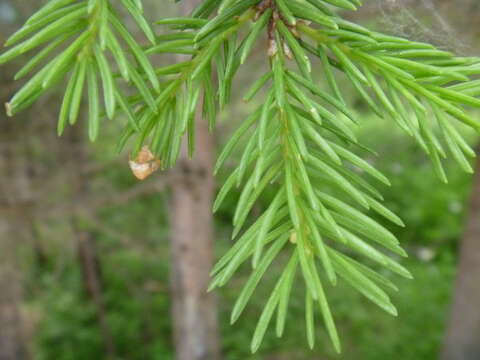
column 145, row 164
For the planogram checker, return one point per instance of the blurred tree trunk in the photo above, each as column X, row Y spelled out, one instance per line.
column 91, row 274
column 462, row 340
column 194, row 310
column 75, row 154
column 15, row 200
column 12, row 341
column 12, row 335
column 196, row 333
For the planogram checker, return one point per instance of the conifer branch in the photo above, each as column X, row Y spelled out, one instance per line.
column 76, row 37
column 300, row 141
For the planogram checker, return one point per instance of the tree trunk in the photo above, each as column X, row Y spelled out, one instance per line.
column 15, row 201
column 194, row 310
column 462, row 340
column 75, row 153
column 91, row 274
column 12, row 337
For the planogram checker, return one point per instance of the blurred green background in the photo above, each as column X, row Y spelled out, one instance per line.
column 128, row 223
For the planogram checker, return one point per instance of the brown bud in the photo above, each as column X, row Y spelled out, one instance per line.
column 145, row 164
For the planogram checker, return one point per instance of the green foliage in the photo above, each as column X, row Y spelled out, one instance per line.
column 68, row 320
column 366, row 333
column 301, row 145
column 86, row 31
column 135, row 309
column 432, row 210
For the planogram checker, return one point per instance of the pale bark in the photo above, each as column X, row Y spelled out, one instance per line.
column 462, row 340
column 194, row 310
column 12, row 334
column 15, row 199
